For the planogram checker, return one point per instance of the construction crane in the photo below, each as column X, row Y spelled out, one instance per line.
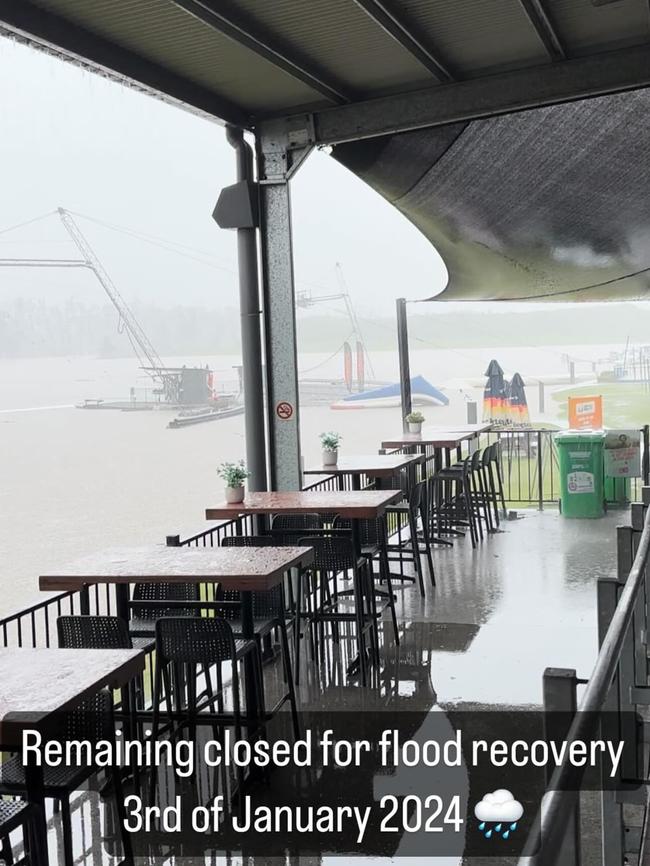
column 148, row 357
column 305, row 299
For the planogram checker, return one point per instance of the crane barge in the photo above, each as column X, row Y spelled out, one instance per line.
column 190, row 389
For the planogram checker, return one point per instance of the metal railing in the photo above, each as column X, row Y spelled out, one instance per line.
column 530, row 469
column 618, row 685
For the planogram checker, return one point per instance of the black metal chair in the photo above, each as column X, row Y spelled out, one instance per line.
column 14, row 815
column 190, row 642
column 409, row 548
column 92, row 721
column 268, row 614
column 453, row 501
column 489, row 483
column 496, row 475
column 107, row 632
column 481, row 493
column 335, row 556
column 373, row 536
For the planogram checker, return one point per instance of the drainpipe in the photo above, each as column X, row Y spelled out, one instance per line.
column 251, row 330
column 404, row 362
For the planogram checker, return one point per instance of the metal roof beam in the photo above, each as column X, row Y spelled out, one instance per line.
column 534, row 87
column 21, row 19
column 405, row 36
column 251, row 36
column 539, row 18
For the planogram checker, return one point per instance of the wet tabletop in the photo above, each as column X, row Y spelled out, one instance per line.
column 355, row 504
column 438, row 437
column 37, row 682
column 245, row 568
column 375, row 465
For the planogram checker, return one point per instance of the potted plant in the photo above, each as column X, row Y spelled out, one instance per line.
column 414, row 420
column 234, row 474
column 330, row 443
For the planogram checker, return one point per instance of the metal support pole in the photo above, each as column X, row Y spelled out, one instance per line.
column 251, row 329
column 560, row 705
column 278, row 158
column 404, row 361
column 645, row 467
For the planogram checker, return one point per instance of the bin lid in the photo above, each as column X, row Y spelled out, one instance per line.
column 584, row 436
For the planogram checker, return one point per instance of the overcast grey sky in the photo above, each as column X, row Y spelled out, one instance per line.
column 74, row 139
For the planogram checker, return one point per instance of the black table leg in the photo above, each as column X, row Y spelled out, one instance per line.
column 361, row 661
column 34, row 785
column 250, row 680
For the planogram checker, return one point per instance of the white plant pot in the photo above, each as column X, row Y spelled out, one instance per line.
column 415, row 426
column 330, row 458
column 235, row 494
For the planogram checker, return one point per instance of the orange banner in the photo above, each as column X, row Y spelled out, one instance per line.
column 585, row 413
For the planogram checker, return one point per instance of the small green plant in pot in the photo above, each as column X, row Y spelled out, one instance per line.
column 235, row 475
column 330, row 444
column 414, row 420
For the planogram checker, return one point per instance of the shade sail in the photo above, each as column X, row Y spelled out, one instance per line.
column 547, row 204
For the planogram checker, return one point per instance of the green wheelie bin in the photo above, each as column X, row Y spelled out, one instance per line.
column 582, row 487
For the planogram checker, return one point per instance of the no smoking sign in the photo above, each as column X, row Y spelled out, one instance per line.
column 284, row 410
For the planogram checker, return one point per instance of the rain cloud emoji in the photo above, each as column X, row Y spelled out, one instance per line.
column 498, row 813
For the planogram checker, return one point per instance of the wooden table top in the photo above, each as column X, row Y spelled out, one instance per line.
column 374, row 465
column 243, row 568
column 355, row 504
column 34, row 683
column 437, row 437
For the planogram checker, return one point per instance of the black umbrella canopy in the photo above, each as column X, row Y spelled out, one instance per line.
column 495, row 395
column 518, row 402
column 494, row 370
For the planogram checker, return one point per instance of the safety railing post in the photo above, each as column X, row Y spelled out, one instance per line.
column 540, row 470
column 611, row 811
column 560, row 705
column 640, row 622
column 645, row 468
column 627, row 662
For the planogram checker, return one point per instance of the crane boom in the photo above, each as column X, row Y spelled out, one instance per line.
column 147, row 355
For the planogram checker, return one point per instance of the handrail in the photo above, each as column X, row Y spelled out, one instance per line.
column 547, row 839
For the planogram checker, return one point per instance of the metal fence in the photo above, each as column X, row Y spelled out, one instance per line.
column 618, row 686
column 530, row 468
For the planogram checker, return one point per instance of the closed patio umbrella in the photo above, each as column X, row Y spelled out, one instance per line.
column 495, row 400
column 518, row 402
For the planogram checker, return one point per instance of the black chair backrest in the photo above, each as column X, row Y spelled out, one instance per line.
column 331, row 553
column 371, row 532
column 194, row 640
column 165, row 592
column 416, row 494
column 476, row 461
column 287, row 528
column 93, row 632
column 249, row 541
column 91, row 721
